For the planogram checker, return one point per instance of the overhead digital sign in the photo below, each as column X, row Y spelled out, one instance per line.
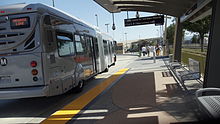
column 157, row 20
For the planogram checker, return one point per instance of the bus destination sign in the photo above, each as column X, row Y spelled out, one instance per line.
column 157, row 20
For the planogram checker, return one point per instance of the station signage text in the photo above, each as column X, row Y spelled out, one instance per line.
column 157, row 20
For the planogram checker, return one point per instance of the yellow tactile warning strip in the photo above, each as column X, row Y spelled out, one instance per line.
column 69, row 111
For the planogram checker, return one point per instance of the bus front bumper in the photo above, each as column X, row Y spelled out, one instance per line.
column 15, row 93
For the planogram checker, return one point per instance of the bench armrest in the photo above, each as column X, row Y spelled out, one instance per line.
column 175, row 65
column 190, row 73
column 203, row 90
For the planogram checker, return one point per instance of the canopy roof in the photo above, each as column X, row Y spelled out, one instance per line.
column 175, row 8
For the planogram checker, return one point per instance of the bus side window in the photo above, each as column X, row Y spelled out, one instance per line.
column 105, row 43
column 114, row 46
column 65, row 44
column 83, row 42
column 79, row 46
column 96, row 47
column 89, row 45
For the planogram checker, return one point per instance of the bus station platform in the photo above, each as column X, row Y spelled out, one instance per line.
column 145, row 94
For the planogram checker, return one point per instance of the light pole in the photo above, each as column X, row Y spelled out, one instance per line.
column 161, row 34
column 126, row 45
column 158, row 33
column 97, row 23
column 126, row 37
column 53, row 3
column 127, row 15
column 107, row 26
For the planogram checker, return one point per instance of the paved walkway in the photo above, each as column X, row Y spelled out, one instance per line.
column 146, row 94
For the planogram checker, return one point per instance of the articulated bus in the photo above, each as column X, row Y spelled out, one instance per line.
column 119, row 48
column 47, row 52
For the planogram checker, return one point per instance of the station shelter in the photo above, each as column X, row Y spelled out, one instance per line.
column 191, row 10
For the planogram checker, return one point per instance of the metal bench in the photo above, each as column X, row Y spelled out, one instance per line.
column 173, row 64
column 192, row 73
column 209, row 103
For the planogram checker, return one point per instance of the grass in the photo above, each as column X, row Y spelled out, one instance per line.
column 195, row 51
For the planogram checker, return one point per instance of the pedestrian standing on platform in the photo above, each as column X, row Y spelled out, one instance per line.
column 152, row 49
column 157, row 48
column 148, row 51
column 144, row 50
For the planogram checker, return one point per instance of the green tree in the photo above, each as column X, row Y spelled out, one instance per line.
column 170, row 33
column 194, row 39
column 201, row 27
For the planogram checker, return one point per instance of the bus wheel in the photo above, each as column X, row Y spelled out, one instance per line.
column 79, row 87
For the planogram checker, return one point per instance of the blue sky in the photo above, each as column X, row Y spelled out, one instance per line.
column 86, row 10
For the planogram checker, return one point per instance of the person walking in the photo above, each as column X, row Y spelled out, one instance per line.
column 152, row 49
column 144, row 50
column 157, row 48
column 148, row 51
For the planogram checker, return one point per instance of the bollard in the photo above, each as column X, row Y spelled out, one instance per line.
column 154, row 57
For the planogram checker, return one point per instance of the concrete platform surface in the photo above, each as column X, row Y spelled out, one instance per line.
column 146, row 94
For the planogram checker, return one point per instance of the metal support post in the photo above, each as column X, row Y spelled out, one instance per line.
column 212, row 69
column 178, row 40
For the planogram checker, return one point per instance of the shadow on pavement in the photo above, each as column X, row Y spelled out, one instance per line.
column 134, row 100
